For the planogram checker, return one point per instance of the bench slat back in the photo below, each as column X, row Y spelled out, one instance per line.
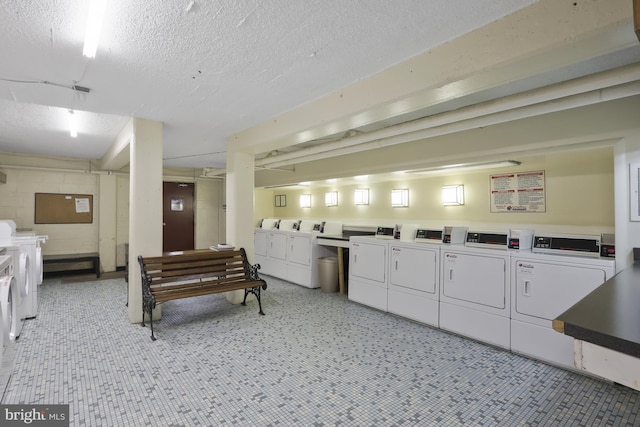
column 217, row 267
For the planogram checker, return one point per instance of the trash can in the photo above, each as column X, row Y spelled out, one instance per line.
column 328, row 270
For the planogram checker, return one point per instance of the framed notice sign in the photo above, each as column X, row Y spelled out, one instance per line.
column 518, row 192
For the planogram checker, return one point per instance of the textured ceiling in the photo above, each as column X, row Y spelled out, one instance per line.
column 206, row 69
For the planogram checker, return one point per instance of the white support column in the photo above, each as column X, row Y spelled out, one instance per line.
column 240, row 177
column 107, row 222
column 145, row 205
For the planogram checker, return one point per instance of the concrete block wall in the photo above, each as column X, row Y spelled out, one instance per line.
column 17, row 202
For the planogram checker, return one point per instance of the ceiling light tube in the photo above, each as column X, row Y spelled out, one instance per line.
column 466, row 166
column 73, row 124
column 94, row 25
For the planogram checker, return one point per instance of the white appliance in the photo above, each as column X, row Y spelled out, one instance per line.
column 368, row 271
column 20, row 259
column 544, row 285
column 414, row 281
column 475, row 290
column 261, row 242
column 302, row 257
column 8, row 319
column 260, row 238
column 277, row 241
column 31, row 243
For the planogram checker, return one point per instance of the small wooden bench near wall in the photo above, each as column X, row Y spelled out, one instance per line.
column 93, row 257
column 196, row 273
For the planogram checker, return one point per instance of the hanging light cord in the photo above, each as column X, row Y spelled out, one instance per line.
column 45, row 82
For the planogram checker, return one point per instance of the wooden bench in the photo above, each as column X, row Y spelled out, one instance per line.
column 93, row 257
column 185, row 275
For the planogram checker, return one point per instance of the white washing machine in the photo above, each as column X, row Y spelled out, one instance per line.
column 368, row 265
column 277, row 244
column 20, row 258
column 32, row 245
column 475, row 289
column 544, row 285
column 8, row 318
column 302, row 258
column 261, row 243
column 414, row 278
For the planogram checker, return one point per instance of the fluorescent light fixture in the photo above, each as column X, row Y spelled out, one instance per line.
column 305, row 200
column 400, row 198
column 361, row 196
column 73, row 124
column 466, row 166
column 452, row 195
column 331, row 198
column 94, row 25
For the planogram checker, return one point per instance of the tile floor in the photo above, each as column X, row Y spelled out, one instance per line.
column 315, row 359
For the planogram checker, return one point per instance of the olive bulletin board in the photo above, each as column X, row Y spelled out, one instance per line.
column 53, row 208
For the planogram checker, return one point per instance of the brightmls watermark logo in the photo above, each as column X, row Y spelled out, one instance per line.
column 34, row 415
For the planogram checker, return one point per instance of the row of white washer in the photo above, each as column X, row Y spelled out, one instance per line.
column 500, row 297
column 291, row 253
column 8, row 314
column 21, row 271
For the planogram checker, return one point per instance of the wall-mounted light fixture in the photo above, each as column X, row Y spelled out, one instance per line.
column 452, row 195
column 305, row 200
column 400, row 198
column 361, row 196
column 94, row 25
column 73, row 124
column 466, row 166
column 331, row 198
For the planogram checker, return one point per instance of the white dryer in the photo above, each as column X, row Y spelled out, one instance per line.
column 32, row 243
column 475, row 290
column 277, row 243
column 368, row 265
column 414, row 280
column 261, row 244
column 302, row 258
column 544, row 285
column 8, row 317
column 20, row 258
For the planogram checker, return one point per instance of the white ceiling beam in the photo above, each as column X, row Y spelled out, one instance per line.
column 542, row 37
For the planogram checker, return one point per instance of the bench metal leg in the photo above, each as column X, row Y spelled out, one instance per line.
column 153, row 338
column 148, row 309
column 256, row 292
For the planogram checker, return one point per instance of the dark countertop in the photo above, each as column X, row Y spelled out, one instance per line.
column 345, row 235
column 609, row 316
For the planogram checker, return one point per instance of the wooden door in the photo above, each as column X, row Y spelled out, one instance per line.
column 178, row 216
